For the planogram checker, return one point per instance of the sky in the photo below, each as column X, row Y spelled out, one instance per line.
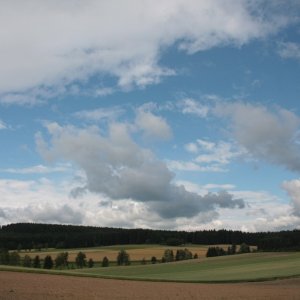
column 180, row 115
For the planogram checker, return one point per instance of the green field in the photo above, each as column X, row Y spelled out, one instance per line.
column 243, row 267
column 234, row 268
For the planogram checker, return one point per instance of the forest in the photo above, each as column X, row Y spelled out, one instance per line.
column 36, row 236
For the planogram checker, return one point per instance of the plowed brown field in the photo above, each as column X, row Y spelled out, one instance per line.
column 25, row 286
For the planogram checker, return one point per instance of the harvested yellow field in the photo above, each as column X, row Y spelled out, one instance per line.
column 136, row 252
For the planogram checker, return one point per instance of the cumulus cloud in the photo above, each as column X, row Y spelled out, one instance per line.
column 264, row 211
column 220, row 153
column 209, row 156
column 48, row 202
column 189, row 204
column 54, row 44
column 37, row 201
column 153, row 126
column 292, row 187
column 115, row 166
column 42, row 213
column 266, row 134
column 45, row 213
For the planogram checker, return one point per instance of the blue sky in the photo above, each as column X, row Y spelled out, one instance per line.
column 170, row 114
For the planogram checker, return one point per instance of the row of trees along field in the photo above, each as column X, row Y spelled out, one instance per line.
column 231, row 250
column 61, row 261
column 35, row 236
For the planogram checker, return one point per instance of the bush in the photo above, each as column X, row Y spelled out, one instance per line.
column 80, row 260
column 37, row 262
column 105, row 262
column 61, row 260
column 4, row 257
column 183, row 254
column 123, row 258
column 90, row 263
column 168, row 255
column 215, row 251
column 27, row 261
column 231, row 250
column 153, row 260
column 48, row 262
column 14, row 259
column 244, row 248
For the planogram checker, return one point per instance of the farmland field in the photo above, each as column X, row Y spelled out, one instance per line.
column 136, row 252
column 242, row 267
column 25, row 286
column 231, row 277
column 233, row 268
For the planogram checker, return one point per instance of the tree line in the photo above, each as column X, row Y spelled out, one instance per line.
column 36, row 236
column 61, row 261
column 231, row 250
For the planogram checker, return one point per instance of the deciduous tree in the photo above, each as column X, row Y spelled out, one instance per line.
column 61, row 260
column 153, row 260
column 123, row 258
column 90, row 263
column 105, row 262
column 37, row 262
column 80, row 260
column 168, row 255
column 27, row 261
column 48, row 262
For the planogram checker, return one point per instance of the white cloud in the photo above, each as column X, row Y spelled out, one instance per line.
column 210, row 186
column 177, row 165
column 153, row 126
column 111, row 113
column 104, row 91
column 289, row 50
column 272, row 135
column 2, row 125
column 190, row 106
column 220, row 153
column 191, row 147
column 38, row 201
column 210, row 156
column 54, row 44
column 206, row 145
column 206, row 188
column 38, row 169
